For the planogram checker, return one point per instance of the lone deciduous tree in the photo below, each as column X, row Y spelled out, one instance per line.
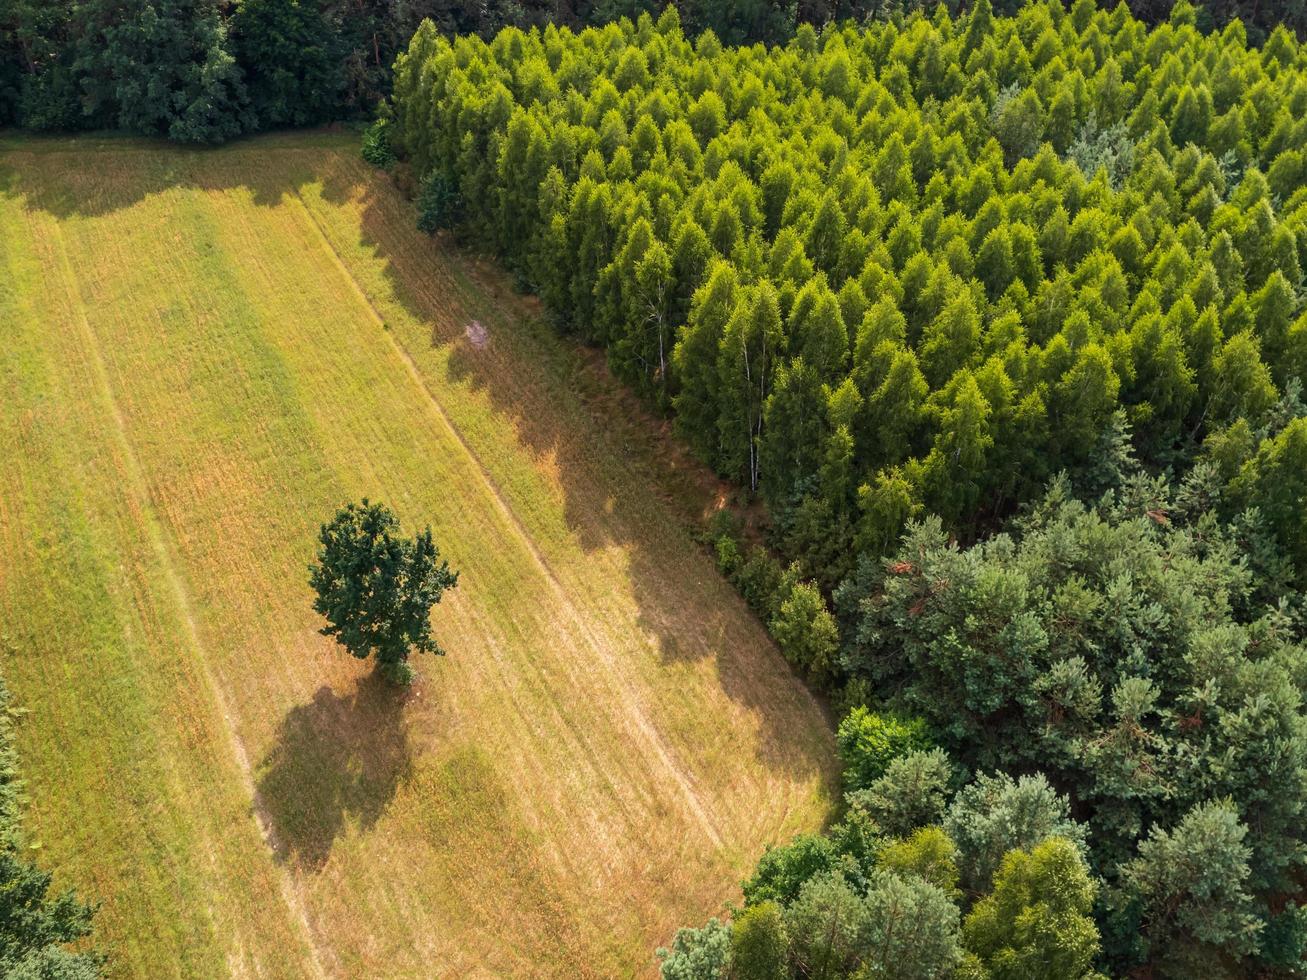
column 376, row 588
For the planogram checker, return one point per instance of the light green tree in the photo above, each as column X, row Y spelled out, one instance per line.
column 806, row 631
column 751, row 343
column 1037, row 923
column 759, row 944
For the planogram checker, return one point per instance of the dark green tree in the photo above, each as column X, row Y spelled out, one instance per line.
column 783, row 871
column 912, row 793
column 35, row 924
column 440, row 204
column 163, row 68
column 1191, row 883
column 376, row 587
column 997, row 814
column 284, row 49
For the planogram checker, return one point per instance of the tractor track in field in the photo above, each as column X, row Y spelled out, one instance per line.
column 631, row 699
column 150, row 520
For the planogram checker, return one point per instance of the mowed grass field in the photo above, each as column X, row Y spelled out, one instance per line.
column 202, row 354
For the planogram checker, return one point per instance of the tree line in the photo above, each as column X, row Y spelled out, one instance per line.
column 209, row 70
column 1003, row 319
column 200, row 70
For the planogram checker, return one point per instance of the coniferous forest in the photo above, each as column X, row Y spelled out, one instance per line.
column 1002, row 319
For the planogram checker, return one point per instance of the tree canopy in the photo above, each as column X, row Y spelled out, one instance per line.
column 376, row 588
column 916, row 267
column 206, row 70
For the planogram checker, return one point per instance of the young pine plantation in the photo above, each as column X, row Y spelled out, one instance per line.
column 204, row 355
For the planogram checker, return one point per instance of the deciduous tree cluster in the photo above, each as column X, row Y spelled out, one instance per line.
column 1145, row 655
column 1093, row 756
column 205, row 70
column 1132, row 652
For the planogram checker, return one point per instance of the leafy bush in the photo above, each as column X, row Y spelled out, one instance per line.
column 763, row 582
column 376, row 145
column 852, row 904
column 928, row 853
column 782, row 871
column 869, row 742
column 727, row 552
column 759, row 944
column 805, row 631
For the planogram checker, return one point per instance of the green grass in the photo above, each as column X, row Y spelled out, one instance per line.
column 202, row 354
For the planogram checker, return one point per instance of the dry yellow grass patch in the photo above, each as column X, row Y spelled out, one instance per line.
column 203, row 354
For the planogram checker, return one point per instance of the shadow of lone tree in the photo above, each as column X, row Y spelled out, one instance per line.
column 337, row 762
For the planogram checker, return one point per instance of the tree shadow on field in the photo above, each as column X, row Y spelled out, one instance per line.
column 337, row 762
column 90, row 176
column 621, row 485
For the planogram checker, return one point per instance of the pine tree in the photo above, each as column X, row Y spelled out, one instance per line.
column 1190, row 882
